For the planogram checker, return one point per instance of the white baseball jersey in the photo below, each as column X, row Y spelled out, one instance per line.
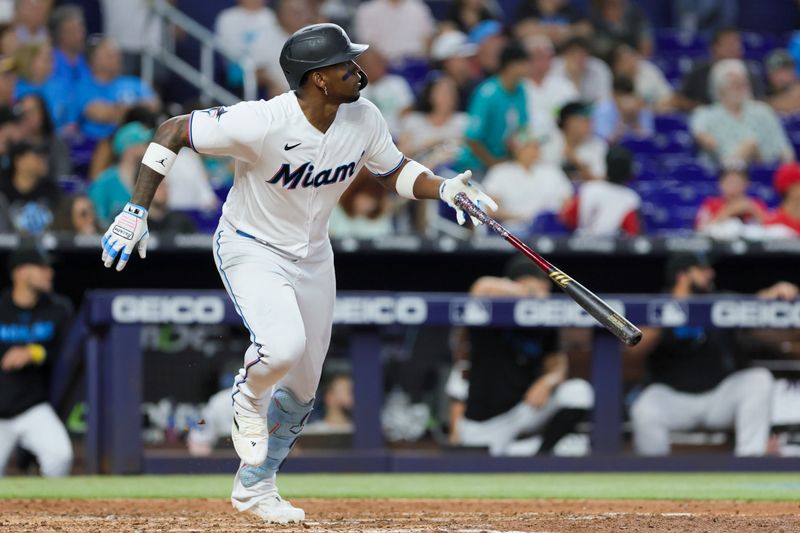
column 289, row 175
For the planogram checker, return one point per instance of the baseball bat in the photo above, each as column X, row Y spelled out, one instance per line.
column 593, row 304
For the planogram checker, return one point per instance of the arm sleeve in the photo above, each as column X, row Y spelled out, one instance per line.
column 698, row 120
column 703, row 216
column 604, row 119
column 237, row 131
column 382, row 157
column 569, row 215
column 778, row 140
column 630, row 224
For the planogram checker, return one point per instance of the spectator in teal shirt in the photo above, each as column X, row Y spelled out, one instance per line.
column 496, row 112
column 112, row 188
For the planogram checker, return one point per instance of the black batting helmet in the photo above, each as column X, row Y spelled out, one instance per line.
column 317, row 46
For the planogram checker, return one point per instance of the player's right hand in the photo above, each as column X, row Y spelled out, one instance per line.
column 127, row 230
column 461, row 183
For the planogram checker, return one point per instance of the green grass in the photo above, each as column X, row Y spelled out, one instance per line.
column 701, row 486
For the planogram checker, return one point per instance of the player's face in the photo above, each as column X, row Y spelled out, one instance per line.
column 344, row 81
column 701, row 279
column 733, row 185
column 38, row 278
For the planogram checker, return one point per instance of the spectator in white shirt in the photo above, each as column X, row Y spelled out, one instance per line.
column 390, row 93
column 135, row 29
column 244, row 30
column 606, row 208
column 291, row 16
column 433, row 133
column 547, row 92
column 401, row 29
column 648, row 79
column 624, row 116
column 576, row 150
column 526, row 187
column 590, row 75
column 737, row 126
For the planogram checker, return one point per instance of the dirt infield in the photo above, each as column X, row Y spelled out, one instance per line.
column 403, row 516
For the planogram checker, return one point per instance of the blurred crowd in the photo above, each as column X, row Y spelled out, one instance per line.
column 576, row 119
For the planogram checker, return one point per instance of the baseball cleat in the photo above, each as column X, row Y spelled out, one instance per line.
column 276, row 510
column 249, row 435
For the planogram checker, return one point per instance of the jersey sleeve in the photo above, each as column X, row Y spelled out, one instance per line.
column 382, row 157
column 237, row 131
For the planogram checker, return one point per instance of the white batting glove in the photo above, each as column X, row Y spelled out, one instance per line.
column 127, row 230
column 461, row 183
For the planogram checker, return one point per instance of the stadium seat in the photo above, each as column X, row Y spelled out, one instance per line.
column 757, row 45
column 791, row 123
column 415, row 71
column 766, row 193
column 548, row 224
column 762, row 174
column 676, row 42
column 71, row 184
column 691, row 172
column 206, row 221
column 670, row 123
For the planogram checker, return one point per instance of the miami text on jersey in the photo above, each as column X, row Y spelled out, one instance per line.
column 305, row 177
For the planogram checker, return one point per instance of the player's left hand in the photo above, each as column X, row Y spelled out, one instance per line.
column 129, row 229
column 783, row 290
column 538, row 394
column 15, row 358
column 461, row 183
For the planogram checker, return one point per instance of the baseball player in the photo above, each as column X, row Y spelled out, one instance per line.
column 295, row 155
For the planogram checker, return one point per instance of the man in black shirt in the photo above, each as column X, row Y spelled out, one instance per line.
column 517, row 377
column 32, row 324
column 695, row 378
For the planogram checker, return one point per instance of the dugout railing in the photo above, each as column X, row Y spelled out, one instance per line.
column 110, row 325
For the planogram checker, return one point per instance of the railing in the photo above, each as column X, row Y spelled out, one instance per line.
column 113, row 362
column 203, row 78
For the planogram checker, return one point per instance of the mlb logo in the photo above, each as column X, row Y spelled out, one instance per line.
column 470, row 312
column 668, row 313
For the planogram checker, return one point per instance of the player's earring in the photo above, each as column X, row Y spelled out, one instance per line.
column 325, row 90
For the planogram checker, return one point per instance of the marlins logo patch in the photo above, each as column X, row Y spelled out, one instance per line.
column 215, row 112
column 560, row 278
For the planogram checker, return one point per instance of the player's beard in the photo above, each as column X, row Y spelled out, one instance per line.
column 702, row 289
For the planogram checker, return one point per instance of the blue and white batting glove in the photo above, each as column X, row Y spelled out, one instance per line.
column 127, row 230
column 461, row 183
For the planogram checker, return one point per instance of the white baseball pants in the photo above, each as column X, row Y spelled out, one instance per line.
column 40, row 431
column 742, row 401
column 500, row 432
column 287, row 306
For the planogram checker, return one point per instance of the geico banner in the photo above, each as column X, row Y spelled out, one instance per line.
column 556, row 313
column 750, row 314
column 168, row 309
column 380, row 310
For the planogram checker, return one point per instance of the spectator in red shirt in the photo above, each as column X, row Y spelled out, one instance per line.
column 606, row 207
column 787, row 184
column 733, row 203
